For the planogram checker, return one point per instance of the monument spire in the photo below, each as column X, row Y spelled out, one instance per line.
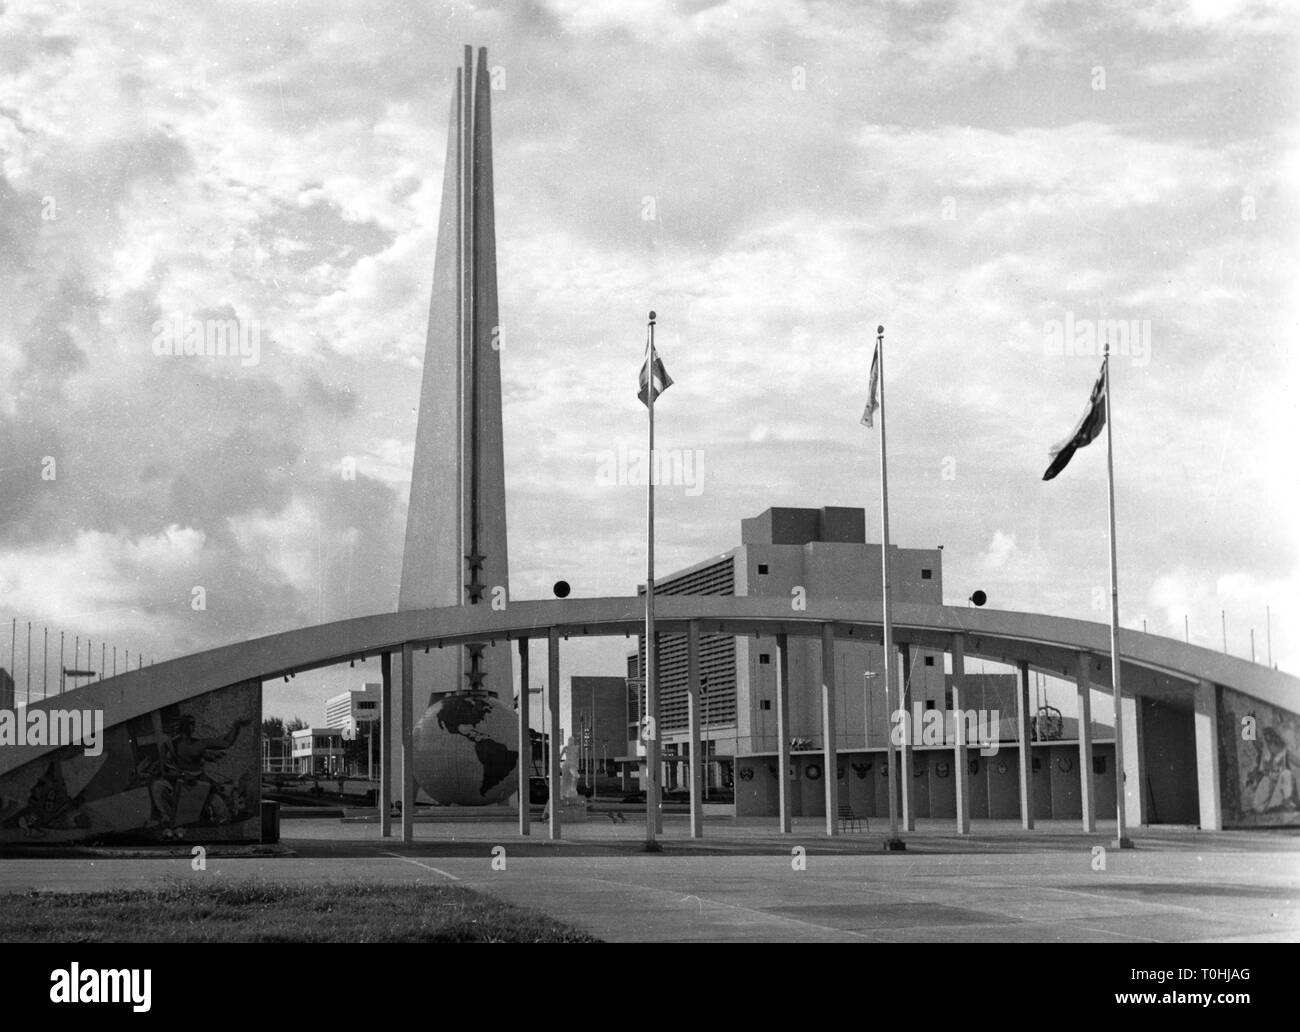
column 455, row 549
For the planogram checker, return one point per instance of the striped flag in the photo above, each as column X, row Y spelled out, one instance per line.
column 662, row 380
column 1090, row 425
column 873, row 389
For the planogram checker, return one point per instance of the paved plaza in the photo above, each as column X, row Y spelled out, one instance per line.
column 744, row 882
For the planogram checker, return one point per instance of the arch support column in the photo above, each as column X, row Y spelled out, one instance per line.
column 553, row 728
column 525, row 760
column 783, row 730
column 386, row 745
column 1025, row 735
column 1206, row 708
column 961, row 773
column 1083, row 686
column 830, row 761
column 697, row 758
column 1132, row 776
column 908, row 730
column 408, row 749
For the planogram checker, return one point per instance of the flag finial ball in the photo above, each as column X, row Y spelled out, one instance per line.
column 880, row 329
column 652, row 317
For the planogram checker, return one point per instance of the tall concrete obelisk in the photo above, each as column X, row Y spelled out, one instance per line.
column 455, row 552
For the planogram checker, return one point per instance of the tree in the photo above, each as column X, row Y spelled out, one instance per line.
column 272, row 728
column 296, row 724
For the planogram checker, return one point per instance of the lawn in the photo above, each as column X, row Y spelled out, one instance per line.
column 255, row 911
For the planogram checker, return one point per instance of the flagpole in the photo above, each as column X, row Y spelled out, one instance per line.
column 887, row 631
column 651, row 731
column 1122, row 841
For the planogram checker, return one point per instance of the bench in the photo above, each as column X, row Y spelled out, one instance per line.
column 849, row 819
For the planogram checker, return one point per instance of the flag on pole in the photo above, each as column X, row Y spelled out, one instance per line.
column 662, row 381
column 873, row 389
column 1089, row 426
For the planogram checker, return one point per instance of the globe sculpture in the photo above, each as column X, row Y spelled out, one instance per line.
column 463, row 753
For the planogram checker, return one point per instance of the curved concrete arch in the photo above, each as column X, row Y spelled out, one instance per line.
column 1153, row 665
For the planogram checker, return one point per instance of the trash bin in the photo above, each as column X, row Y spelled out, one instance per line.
column 270, row 821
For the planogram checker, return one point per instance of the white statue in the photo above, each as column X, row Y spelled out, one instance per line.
column 569, row 772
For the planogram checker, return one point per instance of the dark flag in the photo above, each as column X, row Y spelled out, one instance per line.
column 873, row 390
column 1092, row 423
column 662, row 380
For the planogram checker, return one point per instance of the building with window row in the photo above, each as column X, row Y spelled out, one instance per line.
column 796, row 554
column 318, row 750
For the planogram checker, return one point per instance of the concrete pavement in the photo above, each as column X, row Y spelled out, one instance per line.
column 743, row 882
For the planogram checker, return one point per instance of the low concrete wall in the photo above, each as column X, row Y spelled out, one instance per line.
column 994, row 783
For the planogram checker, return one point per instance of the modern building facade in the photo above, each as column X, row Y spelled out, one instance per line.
column 803, row 554
column 318, row 750
column 795, row 554
column 352, row 709
column 355, row 713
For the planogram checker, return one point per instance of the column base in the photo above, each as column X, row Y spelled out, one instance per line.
column 1121, row 843
column 652, row 846
column 895, row 845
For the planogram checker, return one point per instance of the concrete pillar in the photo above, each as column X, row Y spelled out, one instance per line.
column 1135, row 766
column 1026, row 750
column 525, row 761
column 830, row 761
column 961, row 774
column 1087, row 796
column 654, row 752
column 907, row 773
column 408, row 750
column 783, row 729
column 1205, row 704
column 693, row 719
column 386, row 745
column 553, row 727
column 892, row 692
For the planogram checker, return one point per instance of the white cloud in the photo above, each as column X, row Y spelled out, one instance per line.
column 1001, row 549
column 102, row 583
column 290, row 169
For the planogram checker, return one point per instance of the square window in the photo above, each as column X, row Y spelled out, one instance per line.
column 762, row 569
column 927, row 575
column 765, row 704
column 929, row 704
column 929, row 661
column 764, row 658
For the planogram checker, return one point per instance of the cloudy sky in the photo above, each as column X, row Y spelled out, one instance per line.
column 774, row 178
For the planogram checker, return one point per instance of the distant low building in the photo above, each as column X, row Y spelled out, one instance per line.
column 318, row 750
